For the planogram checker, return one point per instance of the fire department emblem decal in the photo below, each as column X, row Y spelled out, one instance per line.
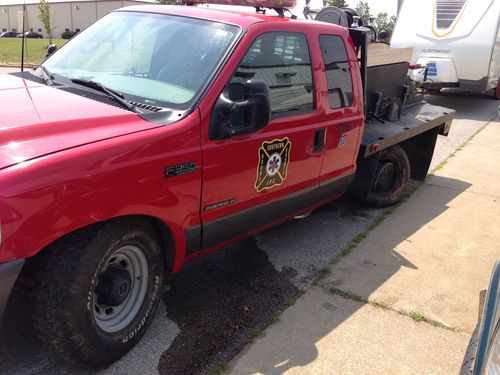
column 274, row 157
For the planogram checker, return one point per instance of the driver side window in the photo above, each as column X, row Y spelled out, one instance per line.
column 282, row 60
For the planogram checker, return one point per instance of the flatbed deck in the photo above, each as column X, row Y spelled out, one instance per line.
column 415, row 119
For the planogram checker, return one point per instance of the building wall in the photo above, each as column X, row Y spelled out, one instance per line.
column 69, row 15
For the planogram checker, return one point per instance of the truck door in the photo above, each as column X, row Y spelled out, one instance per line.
column 252, row 180
column 343, row 105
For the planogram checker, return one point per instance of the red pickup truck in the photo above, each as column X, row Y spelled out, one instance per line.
column 160, row 134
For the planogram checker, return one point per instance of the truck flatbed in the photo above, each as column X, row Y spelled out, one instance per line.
column 416, row 119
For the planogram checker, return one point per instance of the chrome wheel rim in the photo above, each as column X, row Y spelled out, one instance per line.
column 120, row 289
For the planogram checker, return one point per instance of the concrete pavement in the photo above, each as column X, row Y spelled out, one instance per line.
column 4, row 69
column 429, row 260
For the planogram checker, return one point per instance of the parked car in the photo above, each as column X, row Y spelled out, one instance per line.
column 483, row 353
column 31, row 34
column 8, row 34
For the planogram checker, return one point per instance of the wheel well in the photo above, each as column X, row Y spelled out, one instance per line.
column 160, row 228
column 420, row 150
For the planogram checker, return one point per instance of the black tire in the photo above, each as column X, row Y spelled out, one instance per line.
column 496, row 91
column 392, row 178
column 470, row 355
column 65, row 294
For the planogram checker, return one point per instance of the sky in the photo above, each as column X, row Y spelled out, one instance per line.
column 376, row 6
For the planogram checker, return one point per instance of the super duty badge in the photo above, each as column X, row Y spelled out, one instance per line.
column 180, row 169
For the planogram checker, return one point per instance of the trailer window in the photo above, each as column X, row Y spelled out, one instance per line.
column 282, row 60
column 338, row 73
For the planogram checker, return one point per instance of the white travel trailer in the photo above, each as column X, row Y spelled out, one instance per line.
column 458, row 41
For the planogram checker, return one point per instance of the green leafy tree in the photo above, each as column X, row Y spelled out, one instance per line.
column 384, row 22
column 364, row 11
column 337, row 3
column 46, row 18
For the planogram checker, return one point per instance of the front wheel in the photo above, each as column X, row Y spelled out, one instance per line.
column 391, row 180
column 97, row 291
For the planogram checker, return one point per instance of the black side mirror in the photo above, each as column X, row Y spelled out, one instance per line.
column 254, row 111
column 50, row 50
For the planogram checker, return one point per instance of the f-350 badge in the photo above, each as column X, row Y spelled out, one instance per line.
column 274, row 157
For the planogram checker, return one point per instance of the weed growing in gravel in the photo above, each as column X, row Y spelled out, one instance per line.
column 380, row 305
column 324, row 272
column 254, row 333
column 218, row 368
column 417, row 316
column 275, row 318
column 346, row 294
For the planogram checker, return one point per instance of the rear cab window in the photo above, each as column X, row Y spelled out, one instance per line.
column 282, row 60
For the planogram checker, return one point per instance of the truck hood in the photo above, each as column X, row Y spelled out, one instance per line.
column 37, row 120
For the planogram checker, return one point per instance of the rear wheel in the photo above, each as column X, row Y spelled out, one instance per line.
column 391, row 178
column 98, row 290
column 496, row 92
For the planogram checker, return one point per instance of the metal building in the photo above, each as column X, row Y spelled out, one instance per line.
column 66, row 15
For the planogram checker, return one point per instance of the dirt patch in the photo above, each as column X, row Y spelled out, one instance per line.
column 220, row 302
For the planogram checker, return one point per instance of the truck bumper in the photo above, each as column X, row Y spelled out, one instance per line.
column 8, row 275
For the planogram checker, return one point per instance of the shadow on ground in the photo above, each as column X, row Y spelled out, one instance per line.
column 223, row 300
column 303, row 339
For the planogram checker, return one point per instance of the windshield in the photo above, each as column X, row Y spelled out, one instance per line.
column 157, row 59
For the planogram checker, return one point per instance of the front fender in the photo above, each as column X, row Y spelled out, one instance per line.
column 46, row 198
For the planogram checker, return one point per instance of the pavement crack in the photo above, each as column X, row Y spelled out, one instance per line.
column 414, row 315
column 463, row 191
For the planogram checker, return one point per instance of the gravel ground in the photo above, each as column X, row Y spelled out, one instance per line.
column 213, row 306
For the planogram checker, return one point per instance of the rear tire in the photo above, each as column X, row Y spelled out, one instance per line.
column 391, row 178
column 97, row 290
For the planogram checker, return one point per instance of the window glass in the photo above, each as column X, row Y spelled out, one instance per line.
column 157, row 59
column 282, row 60
column 338, row 73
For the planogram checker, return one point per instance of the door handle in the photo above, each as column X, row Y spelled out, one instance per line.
column 319, row 140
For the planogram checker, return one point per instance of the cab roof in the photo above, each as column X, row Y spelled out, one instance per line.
column 241, row 18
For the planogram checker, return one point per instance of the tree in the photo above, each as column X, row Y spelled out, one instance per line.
column 46, row 19
column 383, row 22
column 364, row 11
column 166, row 1
column 337, row 3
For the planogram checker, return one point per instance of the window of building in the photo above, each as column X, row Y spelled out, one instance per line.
column 77, row 30
column 282, row 60
column 4, row 30
column 39, row 30
column 14, row 30
column 338, row 73
column 31, row 30
column 67, row 30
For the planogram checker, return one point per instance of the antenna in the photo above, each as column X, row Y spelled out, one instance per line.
column 24, row 36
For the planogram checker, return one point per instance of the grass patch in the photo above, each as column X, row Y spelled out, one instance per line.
column 218, row 368
column 324, row 272
column 275, row 318
column 417, row 316
column 254, row 333
column 34, row 54
column 379, row 304
column 347, row 295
